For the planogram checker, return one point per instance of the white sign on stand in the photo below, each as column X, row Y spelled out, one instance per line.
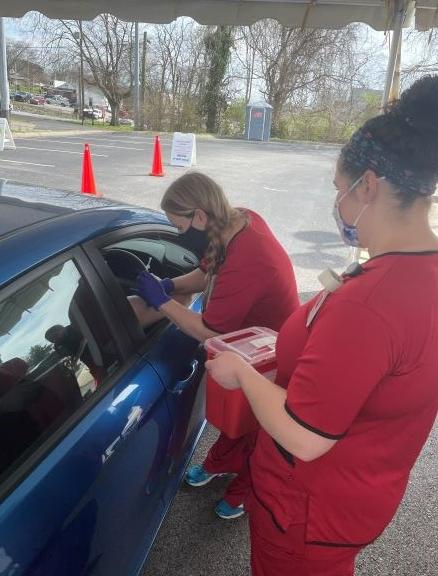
column 183, row 149
column 6, row 140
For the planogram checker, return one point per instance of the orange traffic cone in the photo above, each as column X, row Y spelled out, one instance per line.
column 157, row 166
column 88, row 184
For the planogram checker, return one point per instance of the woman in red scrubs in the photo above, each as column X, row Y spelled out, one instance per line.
column 248, row 280
column 357, row 387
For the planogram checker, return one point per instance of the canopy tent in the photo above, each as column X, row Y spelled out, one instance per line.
column 380, row 14
column 311, row 13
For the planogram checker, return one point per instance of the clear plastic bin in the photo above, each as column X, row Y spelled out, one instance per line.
column 229, row 410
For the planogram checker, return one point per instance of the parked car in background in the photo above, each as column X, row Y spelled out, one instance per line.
column 126, row 122
column 98, row 417
column 22, row 96
column 57, row 100
column 95, row 113
column 37, row 99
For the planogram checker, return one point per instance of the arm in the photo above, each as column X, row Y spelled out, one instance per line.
column 189, row 322
column 146, row 315
column 152, row 292
column 349, row 351
column 190, row 283
column 267, row 401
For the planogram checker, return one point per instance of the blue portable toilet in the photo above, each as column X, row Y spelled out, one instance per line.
column 258, row 121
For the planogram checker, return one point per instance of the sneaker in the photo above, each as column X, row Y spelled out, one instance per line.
column 197, row 476
column 227, row 512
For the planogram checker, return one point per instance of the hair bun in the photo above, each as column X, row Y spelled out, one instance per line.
column 418, row 106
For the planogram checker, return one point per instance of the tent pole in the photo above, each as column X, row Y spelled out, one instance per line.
column 399, row 16
column 395, row 88
column 4, row 84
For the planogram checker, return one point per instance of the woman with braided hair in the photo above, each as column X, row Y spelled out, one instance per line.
column 357, row 388
column 247, row 279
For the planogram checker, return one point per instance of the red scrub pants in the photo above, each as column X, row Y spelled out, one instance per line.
column 228, row 455
column 277, row 553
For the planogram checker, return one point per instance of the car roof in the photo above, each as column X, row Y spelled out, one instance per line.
column 37, row 223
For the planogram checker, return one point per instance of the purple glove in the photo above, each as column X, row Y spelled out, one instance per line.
column 167, row 285
column 151, row 290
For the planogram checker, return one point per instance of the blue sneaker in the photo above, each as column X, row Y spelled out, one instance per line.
column 197, row 476
column 227, row 512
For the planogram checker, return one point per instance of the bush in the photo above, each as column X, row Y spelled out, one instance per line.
column 232, row 122
column 315, row 126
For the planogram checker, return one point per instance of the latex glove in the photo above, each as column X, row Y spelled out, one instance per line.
column 167, row 285
column 151, row 290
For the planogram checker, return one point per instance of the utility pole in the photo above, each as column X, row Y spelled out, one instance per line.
column 143, row 79
column 136, row 86
column 81, row 98
column 81, row 52
column 4, row 84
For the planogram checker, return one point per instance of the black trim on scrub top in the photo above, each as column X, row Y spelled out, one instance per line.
column 337, row 544
column 311, row 428
column 421, row 253
column 286, row 455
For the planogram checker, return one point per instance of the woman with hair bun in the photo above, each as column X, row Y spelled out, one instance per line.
column 357, row 388
column 248, row 280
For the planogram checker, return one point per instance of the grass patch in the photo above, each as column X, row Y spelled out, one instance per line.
column 18, row 126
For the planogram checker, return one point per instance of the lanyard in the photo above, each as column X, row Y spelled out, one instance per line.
column 331, row 282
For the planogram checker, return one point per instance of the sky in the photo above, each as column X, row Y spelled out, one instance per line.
column 375, row 42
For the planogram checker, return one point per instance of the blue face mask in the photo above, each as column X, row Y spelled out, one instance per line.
column 348, row 232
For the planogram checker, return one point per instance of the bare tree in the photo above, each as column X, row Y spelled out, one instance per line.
column 295, row 63
column 17, row 52
column 176, row 74
column 106, row 44
column 425, row 45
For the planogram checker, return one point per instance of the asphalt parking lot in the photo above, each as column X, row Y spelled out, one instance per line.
column 290, row 185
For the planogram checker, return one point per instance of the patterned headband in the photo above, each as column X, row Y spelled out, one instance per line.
column 364, row 152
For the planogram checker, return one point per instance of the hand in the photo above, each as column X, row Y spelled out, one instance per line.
column 151, row 290
column 225, row 369
column 168, row 285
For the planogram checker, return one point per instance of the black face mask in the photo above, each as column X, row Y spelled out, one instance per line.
column 195, row 240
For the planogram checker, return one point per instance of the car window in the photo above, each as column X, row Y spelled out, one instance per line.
column 162, row 256
column 55, row 352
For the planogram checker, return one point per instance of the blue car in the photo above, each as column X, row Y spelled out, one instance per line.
column 98, row 416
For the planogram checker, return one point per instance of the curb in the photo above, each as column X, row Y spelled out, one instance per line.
column 18, row 135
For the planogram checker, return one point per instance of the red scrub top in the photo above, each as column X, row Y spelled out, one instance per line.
column 365, row 373
column 255, row 285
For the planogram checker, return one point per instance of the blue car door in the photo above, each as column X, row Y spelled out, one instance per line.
column 84, row 432
column 177, row 359
column 179, row 362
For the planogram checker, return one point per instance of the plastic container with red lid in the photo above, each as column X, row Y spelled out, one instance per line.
column 229, row 410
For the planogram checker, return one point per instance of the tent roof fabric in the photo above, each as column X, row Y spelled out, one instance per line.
column 293, row 13
column 426, row 14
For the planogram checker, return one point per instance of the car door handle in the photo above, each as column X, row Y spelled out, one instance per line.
column 181, row 384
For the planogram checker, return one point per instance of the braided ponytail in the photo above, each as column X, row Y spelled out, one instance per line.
column 194, row 191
